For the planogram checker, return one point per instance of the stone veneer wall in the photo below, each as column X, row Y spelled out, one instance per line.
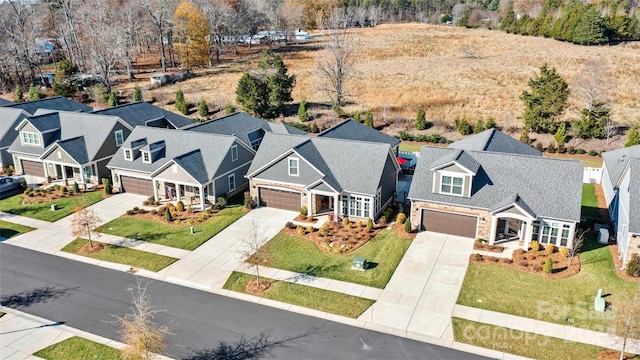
column 254, row 184
column 484, row 227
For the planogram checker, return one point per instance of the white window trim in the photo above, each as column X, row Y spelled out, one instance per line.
column 297, row 167
column 35, row 136
column 147, row 155
column 351, row 205
column 452, row 175
column 128, row 154
column 231, row 176
column 234, row 153
column 119, row 135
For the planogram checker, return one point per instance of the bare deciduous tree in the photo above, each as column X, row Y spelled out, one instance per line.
column 576, row 246
column 375, row 15
column 335, row 66
column 160, row 12
column 628, row 321
column 84, row 222
column 138, row 329
column 253, row 250
column 589, row 87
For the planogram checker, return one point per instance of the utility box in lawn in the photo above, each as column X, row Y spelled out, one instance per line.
column 359, row 263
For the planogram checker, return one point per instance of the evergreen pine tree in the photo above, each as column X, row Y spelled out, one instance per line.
column 421, row 121
column 561, row 134
column 368, row 120
column 203, row 109
column 181, row 105
column 303, row 115
column 113, row 99
column 18, row 96
column 137, row 94
column 34, row 93
column 546, row 99
column 633, row 137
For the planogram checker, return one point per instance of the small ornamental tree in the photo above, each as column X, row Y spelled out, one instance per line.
column 407, row 226
column 34, row 93
column 633, row 137
column 61, row 84
column 463, row 126
column 561, row 135
column 18, row 96
column 137, row 94
column 180, row 103
column 254, row 251
column 421, row 121
column 491, row 123
column 203, row 109
column 368, row 120
column 113, row 99
column 548, row 266
column 303, row 114
column 229, row 109
column 545, row 100
column 479, row 126
column 356, row 116
column 108, row 189
column 167, row 215
column 84, row 222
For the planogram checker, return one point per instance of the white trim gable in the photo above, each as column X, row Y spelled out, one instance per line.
column 50, row 149
column 453, row 162
column 166, row 166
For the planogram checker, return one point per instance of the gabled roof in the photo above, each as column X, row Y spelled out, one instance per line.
column 69, row 128
column 548, row 187
column 4, row 102
column 9, row 119
column 512, row 200
column 615, row 161
column 460, row 157
column 353, row 130
column 241, row 125
column 200, row 154
column 346, row 165
column 495, row 141
column 141, row 113
column 53, row 103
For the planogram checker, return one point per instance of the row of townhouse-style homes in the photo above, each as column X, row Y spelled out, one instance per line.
column 488, row 185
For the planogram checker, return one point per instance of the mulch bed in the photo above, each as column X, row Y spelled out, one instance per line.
column 53, row 194
column 305, row 219
column 399, row 229
column 86, row 249
column 252, row 286
column 617, row 263
column 614, row 355
column 339, row 239
column 477, row 245
column 532, row 262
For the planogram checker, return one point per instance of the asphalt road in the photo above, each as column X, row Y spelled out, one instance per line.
column 203, row 325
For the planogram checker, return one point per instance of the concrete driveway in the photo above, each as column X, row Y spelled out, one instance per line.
column 211, row 263
column 420, row 297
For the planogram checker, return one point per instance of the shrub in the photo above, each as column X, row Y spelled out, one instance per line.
column 290, row 225
column 388, row 213
column 180, row 206
column 551, row 148
column 580, row 151
column 108, row 189
column 310, row 229
column 75, row 187
column 463, row 127
column 535, row 246
column 161, row 209
column 64, row 190
column 203, row 109
column 477, row 257
column 345, row 221
column 538, row 146
column 142, row 211
column 633, row 266
column 229, row 109
column 303, row 210
column 303, row 115
column 401, row 218
column 549, row 249
column 249, row 201
column 548, row 266
column 407, row 226
column 369, row 224
column 135, row 208
column 593, row 153
column 221, row 203
column 382, row 220
column 571, row 149
column 209, row 210
column 167, row 214
column 564, row 251
column 300, row 230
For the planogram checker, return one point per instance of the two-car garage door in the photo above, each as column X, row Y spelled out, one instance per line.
column 136, row 185
column 449, row 223
column 280, row 199
column 34, row 168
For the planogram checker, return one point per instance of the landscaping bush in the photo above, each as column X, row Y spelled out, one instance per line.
column 135, row 208
column 477, row 257
column 407, row 226
column 303, row 210
column 249, row 201
column 382, row 220
column 564, row 251
column 549, row 249
column 388, row 213
column 75, row 187
column 535, row 246
column 290, row 225
column 369, row 224
column 548, row 266
column 108, row 189
column 300, row 230
column 162, row 209
column 180, row 206
column 221, row 203
column 593, row 153
column 580, row 151
column 633, row 266
column 401, row 218
column 345, row 221
column 167, row 214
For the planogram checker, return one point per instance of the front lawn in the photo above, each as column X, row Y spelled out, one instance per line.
column 567, row 301
column 305, row 296
column 9, row 229
column 123, row 255
column 383, row 253
column 42, row 211
column 590, row 201
column 79, row 348
column 178, row 236
column 520, row 343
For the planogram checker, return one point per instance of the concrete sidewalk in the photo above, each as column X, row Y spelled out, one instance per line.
column 23, row 220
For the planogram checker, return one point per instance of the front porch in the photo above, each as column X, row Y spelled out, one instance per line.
column 196, row 196
column 66, row 174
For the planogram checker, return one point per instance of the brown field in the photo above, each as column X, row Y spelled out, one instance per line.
column 402, row 66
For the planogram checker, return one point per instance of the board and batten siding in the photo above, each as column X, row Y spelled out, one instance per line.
column 60, row 156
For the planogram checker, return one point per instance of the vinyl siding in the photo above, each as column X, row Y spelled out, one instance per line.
column 59, row 156
column 280, row 172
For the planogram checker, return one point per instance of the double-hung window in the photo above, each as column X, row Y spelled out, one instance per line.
column 451, row 185
column 119, row 137
column 127, row 154
column 234, row 153
column 293, row 167
column 232, row 182
column 146, row 157
column 29, row 138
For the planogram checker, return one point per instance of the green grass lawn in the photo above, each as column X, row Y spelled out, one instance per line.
column 9, row 229
column 506, row 290
column 411, row 146
column 178, row 236
column 383, row 253
column 590, row 201
column 305, row 296
column 79, row 348
column 520, row 342
column 42, row 211
column 123, row 255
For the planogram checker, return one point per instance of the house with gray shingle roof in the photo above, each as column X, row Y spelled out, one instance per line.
column 326, row 175
column 67, row 146
column 9, row 119
column 495, row 141
column 496, row 196
column 353, row 130
column 58, row 103
column 4, row 102
column 172, row 165
column 245, row 127
column 145, row 114
column 621, row 186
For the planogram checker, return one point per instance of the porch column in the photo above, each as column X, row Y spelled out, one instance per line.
column 528, row 234
column 201, row 197
column 155, row 189
column 64, row 174
column 82, row 178
column 492, row 233
column 337, row 207
column 178, row 195
column 572, row 234
column 309, row 202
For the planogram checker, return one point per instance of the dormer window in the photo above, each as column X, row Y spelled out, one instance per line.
column 293, row 167
column 451, row 185
column 30, row 138
column 146, row 157
column 127, row 154
column 119, row 137
column 234, row 153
